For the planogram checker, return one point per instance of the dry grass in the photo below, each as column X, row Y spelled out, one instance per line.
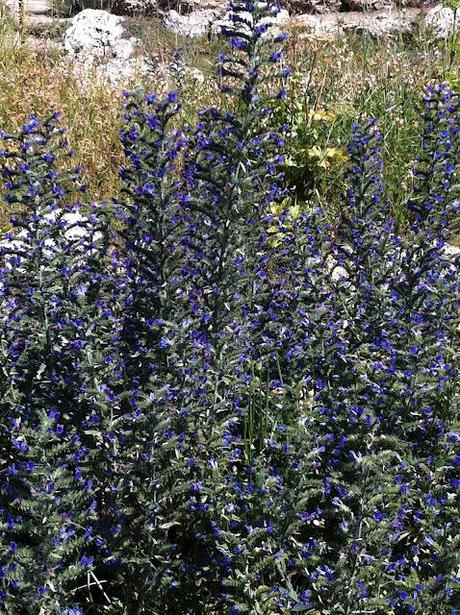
column 31, row 83
column 35, row 81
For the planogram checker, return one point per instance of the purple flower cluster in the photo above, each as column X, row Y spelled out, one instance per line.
column 199, row 419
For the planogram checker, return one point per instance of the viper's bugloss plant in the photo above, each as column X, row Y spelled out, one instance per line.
column 200, row 419
column 52, row 321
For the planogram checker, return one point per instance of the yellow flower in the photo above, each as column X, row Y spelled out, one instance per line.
column 337, row 154
column 292, row 212
column 322, row 116
column 327, row 157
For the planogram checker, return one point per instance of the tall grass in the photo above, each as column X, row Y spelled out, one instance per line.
column 358, row 77
column 36, row 82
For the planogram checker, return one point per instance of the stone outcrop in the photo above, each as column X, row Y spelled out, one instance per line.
column 282, row 17
column 376, row 24
column 96, row 40
column 193, row 24
column 300, row 7
column 441, row 20
column 95, row 33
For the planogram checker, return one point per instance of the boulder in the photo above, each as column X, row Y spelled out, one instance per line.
column 192, row 25
column 279, row 18
column 316, row 27
column 97, row 34
column 363, row 5
column 135, row 7
column 96, row 41
column 441, row 20
column 376, row 24
column 190, row 6
column 74, row 228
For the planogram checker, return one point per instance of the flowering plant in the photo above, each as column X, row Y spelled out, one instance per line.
column 200, row 419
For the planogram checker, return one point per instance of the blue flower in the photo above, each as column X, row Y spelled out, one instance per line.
column 31, row 126
column 87, row 561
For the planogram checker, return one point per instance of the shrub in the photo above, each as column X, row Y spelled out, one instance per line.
column 198, row 418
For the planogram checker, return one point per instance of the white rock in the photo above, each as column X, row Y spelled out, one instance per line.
column 276, row 20
column 383, row 24
column 136, row 7
column 451, row 250
column 279, row 18
column 200, row 5
column 95, row 33
column 318, row 27
column 364, row 5
column 441, row 20
column 376, row 23
column 76, row 228
column 96, row 44
column 194, row 74
column 306, row 7
column 113, row 73
column 193, row 25
column 221, row 24
column 118, row 70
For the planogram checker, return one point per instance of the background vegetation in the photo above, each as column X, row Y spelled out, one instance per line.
column 335, row 82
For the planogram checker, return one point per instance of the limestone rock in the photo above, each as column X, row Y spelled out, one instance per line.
column 377, row 23
column 363, row 5
column 278, row 19
column 440, row 19
column 97, row 34
column 193, row 25
column 382, row 24
column 301, row 7
column 135, row 7
column 317, row 27
column 96, row 42
column 191, row 6
column 75, row 228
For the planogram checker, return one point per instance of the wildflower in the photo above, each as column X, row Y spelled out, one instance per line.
column 87, row 561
